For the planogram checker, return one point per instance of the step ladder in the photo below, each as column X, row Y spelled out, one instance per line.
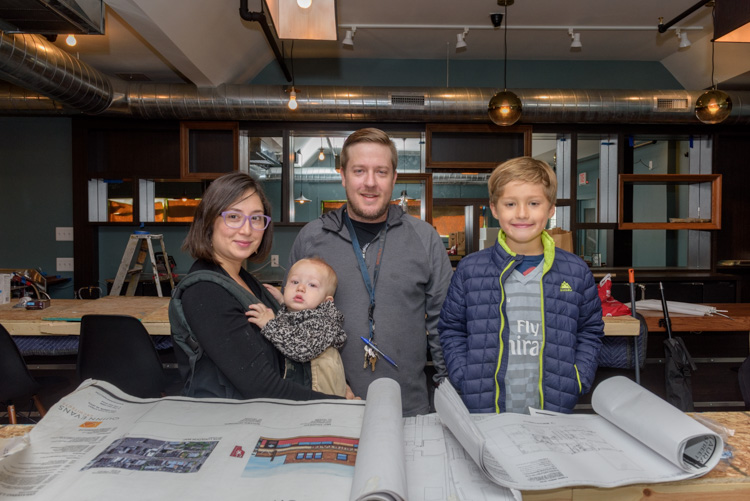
column 133, row 274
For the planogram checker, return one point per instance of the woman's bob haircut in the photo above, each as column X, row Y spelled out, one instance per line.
column 220, row 195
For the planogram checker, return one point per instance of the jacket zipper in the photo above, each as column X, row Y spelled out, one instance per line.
column 502, row 345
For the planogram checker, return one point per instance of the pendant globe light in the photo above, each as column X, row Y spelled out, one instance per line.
column 713, row 106
column 505, row 107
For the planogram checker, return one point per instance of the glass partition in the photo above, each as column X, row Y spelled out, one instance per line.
column 316, row 182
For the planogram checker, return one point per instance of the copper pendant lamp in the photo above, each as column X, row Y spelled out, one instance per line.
column 714, row 105
column 505, row 107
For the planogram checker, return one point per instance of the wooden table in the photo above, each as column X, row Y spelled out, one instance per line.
column 63, row 316
column 729, row 480
column 739, row 321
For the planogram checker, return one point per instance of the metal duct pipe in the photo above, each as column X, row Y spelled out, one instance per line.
column 340, row 104
column 35, row 64
column 418, row 104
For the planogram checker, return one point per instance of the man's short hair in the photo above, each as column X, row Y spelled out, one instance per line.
column 220, row 195
column 368, row 135
column 333, row 280
column 525, row 170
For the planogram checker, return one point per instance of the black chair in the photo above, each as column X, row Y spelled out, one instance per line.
column 744, row 377
column 15, row 380
column 119, row 350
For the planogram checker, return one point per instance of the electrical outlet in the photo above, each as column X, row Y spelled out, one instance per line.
column 64, row 264
column 64, row 233
column 274, row 260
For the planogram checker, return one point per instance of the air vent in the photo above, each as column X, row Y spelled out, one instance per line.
column 671, row 104
column 410, row 101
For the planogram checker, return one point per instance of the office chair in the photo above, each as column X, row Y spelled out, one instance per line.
column 119, row 350
column 15, row 380
column 744, row 377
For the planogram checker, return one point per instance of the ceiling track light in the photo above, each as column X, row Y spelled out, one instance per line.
column 575, row 39
column 349, row 37
column 461, row 39
column 684, row 40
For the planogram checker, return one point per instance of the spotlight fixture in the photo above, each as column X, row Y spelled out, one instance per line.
column 575, row 39
column 302, row 199
column 349, row 37
column 71, row 40
column 461, row 39
column 505, row 108
column 305, row 4
column 684, row 40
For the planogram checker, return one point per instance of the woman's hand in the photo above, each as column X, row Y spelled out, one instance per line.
column 276, row 293
column 259, row 314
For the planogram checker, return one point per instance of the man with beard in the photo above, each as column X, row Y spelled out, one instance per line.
column 393, row 274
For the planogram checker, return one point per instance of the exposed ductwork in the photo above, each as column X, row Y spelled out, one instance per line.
column 71, row 86
column 35, row 64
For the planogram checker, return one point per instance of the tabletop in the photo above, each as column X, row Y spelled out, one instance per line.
column 730, row 479
column 63, row 316
column 739, row 320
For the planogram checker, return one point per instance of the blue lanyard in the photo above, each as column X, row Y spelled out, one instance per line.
column 370, row 285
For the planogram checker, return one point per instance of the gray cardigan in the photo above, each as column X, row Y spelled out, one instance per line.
column 413, row 281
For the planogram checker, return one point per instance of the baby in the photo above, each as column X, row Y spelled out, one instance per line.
column 308, row 326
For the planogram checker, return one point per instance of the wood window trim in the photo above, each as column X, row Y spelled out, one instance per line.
column 714, row 179
column 526, row 130
column 186, row 128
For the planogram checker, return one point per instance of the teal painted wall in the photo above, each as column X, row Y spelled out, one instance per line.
column 643, row 75
column 35, row 195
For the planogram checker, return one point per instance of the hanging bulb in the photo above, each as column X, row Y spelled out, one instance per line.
column 713, row 106
column 292, row 100
column 71, row 40
column 305, row 4
column 321, row 155
column 504, row 108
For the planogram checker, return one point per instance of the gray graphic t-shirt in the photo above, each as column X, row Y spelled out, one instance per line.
column 524, row 316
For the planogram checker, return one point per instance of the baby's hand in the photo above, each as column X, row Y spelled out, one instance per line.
column 259, row 314
column 276, row 293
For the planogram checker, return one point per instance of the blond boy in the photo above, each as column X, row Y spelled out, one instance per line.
column 521, row 325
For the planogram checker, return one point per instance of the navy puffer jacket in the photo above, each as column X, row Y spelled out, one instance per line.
column 474, row 332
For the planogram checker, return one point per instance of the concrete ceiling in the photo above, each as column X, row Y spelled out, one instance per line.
column 207, row 43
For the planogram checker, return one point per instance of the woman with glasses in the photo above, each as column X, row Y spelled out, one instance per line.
column 221, row 354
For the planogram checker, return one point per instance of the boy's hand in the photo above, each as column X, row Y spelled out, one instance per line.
column 259, row 314
column 276, row 293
